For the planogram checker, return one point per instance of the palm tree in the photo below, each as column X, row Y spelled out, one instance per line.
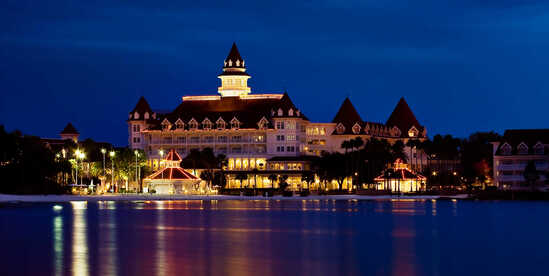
column 308, row 177
column 273, row 177
column 208, row 176
column 241, row 177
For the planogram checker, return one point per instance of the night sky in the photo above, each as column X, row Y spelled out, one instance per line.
column 462, row 65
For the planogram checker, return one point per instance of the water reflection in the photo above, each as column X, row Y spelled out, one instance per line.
column 403, row 237
column 79, row 239
column 58, row 244
column 108, row 250
column 160, row 261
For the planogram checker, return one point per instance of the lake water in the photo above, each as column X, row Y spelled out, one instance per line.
column 287, row 237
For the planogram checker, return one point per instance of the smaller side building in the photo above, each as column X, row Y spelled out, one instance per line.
column 514, row 152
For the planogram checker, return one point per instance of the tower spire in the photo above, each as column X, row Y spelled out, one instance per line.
column 234, row 79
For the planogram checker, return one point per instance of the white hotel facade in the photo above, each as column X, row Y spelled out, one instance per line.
column 267, row 132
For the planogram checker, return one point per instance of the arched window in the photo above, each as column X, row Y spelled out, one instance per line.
column 539, row 149
column 522, row 148
column 263, row 123
column 193, row 124
column 506, row 149
column 235, row 124
column 396, row 131
column 135, row 115
column 220, row 123
column 166, row 125
column 413, row 132
column 290, row 112
column 280, row 112
column 356, row 128
column 340, row 128
column 179, row 124
column 146, row 115
column 206, row 124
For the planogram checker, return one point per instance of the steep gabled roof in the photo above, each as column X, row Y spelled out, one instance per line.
column 69, row 129
column 403, row 118
column 347, row 114
column 142, row 106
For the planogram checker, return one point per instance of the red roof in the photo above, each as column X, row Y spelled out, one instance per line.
column 403, row 118
column 69, row 129
column 173, row 174
column 173, row 156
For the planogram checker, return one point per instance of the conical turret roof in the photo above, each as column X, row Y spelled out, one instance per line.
column 403, row 117
column 347, row 113
column 142, row 106
column 234, row 60
column 69, row 129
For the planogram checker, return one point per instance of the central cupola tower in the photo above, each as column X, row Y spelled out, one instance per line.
column 234, row 79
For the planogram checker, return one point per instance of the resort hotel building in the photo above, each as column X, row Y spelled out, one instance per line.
column 263, row 134
column 513, row 153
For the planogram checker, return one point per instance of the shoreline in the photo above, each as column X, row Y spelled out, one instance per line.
column 4, row 198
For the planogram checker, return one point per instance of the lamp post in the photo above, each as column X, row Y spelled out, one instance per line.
column 111, row 154
column 77, row 155
column 161, row 152
column 136, row 176
column 103, row 151
column 82, row 156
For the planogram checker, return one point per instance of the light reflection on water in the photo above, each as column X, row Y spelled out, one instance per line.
column 79, row 239
column 259, row 237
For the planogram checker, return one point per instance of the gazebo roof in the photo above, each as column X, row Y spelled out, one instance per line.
column 173, row 174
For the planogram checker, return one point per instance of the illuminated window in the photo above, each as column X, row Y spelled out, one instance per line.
column 206, row 124
column 340, row 128
column 136, row 115
column 290, row 125
column 280, row 112
column 290, row 137
column 262, row 124
column 235, row 124
column 220, row 123
column 413, row 132
column 356, row 128
column 166, row 124
column 179, row 124
column 259, row 138
column 146, row 115
column 193, row 124
column 291, row 112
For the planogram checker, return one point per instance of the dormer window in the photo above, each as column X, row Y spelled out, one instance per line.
column 539, row 149
column 206, row 124
column 506, row 149
column 340, row 129
column 290, row 112
column 193, row 124
column 396, row 131
column 413, row 132
column 235, row 124
column 356, row 128
column 367, row 128
column 262, row 124
column 298, row 113
column 280, row 112
column 136, row 115
column 166, row 125
column 179, row 124
column 522, row 148
column 220, row 123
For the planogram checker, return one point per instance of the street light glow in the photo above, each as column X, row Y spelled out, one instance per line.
column 112, row 153
column 103, row 151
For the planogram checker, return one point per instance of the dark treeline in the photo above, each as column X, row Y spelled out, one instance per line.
column 27, row 166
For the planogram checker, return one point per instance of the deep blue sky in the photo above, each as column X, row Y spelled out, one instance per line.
column 462, row 65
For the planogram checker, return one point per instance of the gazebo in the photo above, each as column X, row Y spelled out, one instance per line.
column 400, row 178
column 172, row 179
